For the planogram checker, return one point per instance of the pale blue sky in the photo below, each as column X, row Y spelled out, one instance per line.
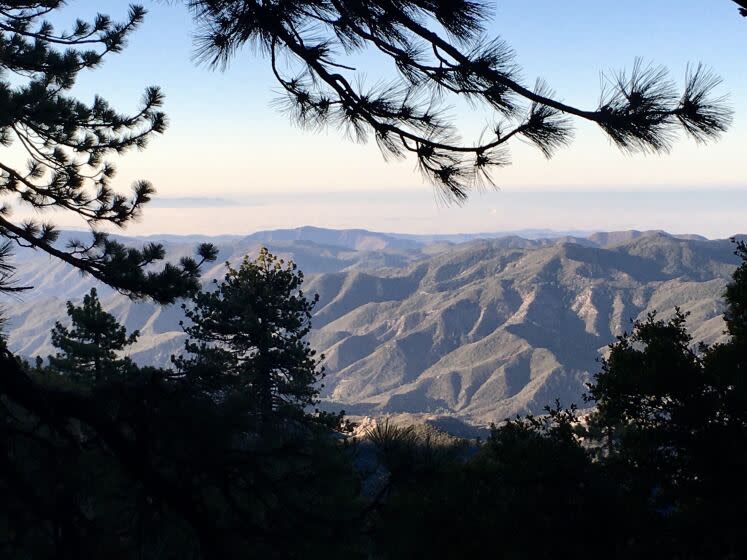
column 225, row 139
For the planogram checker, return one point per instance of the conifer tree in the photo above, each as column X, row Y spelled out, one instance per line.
column 91, row 350
column 67, row 141
column 674, row 420
column 248, row 335
column 736, row 298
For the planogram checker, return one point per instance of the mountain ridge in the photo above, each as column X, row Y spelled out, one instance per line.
column 479, row 330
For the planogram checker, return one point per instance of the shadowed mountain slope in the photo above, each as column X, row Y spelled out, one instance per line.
column 495, row 328
column 480, row 330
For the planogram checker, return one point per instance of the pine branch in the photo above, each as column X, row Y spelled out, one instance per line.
column 67, row 142
column 640, row 111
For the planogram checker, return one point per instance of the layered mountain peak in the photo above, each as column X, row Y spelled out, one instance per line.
column 480, row 330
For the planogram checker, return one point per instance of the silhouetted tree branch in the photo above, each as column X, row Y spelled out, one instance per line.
column 440, row 49
column 67, row 140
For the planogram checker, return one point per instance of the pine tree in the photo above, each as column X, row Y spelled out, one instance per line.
column 248, row 335
column 91, row 350
column 736, row 298
column 67, row 142
column 674, row 419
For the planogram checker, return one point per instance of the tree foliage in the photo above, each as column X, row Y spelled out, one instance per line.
column 158, row 463
column 736, row 298
column 175, row 463
column 249, row 335
column 121, row 461
column 59, row 445
column 440, row 49
column 675, row 422
column 90, row 351
column 655, row 469
column 67, row 142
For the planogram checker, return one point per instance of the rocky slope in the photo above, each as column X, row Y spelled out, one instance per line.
column 480, row 330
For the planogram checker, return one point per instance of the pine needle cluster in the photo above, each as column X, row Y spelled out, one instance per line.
column 67, row 142
column 441, row 51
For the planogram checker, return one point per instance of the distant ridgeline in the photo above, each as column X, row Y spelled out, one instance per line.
column 481, row 329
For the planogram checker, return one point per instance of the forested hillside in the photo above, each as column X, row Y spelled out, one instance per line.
column 483, row 329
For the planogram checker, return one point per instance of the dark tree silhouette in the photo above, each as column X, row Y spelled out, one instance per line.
column 117, row 461
column 440, row 49
column 249, row 335
column 67, row 140
column 531, row 487
column 674, row 420
column 90, row 350
column 7, row 270
column 736, row 298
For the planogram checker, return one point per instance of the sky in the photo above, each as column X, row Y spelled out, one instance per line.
column 226, row 141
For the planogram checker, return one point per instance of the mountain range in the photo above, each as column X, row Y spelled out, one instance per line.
column 473, row 328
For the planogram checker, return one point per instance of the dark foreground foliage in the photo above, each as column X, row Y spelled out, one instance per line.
column 224, row 458
column 656, row 470
column 217, row 458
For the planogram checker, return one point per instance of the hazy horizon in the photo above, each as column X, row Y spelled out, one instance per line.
column 419, row 211
column 239, row 166
column 377, row 279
